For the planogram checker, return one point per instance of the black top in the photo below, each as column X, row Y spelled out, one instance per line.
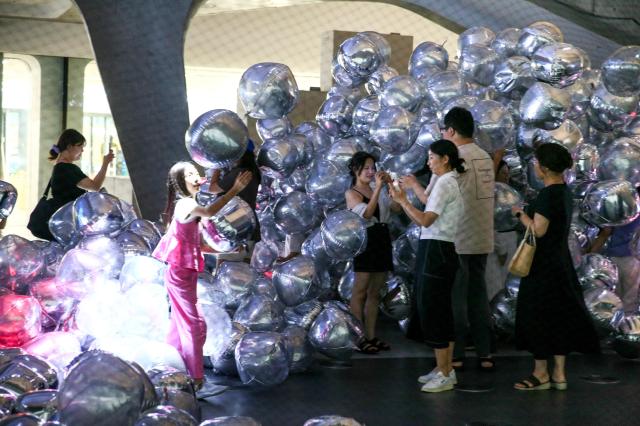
column 64, row 183
column 249, row 193
column 366, row 200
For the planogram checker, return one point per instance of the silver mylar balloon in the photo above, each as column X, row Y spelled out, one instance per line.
column 404, row 255
column 595, row 265
column 444, row 85
column 108, row 249
column 463, row 101
column 260, row 313
column 230, row 227
column 567, row 135
column 299, row 349
column 41, row 403
column 327, row 183
column 332, row 333
column 632, row 128
column 264, row 287
column 608, row 112
column 21, row 419
column 581, row 91
column 505, row 198
column 379, row 78
column 406, row 163
column 235, row 279
column 383, row 46
column 587, row 162
column 335, row 115
column 480, row 91
column 185, row 401
column 40, row 366
column 429, row 133
column 217, row 139
column 424, row 73
column 21, row 262
column 170, row 377
column 100, row 389
column 621, row 71
column 352, row 94
column 344, row 234
column 345, row 285
column 132, row 244
column 343, row 78
column 602, row 305
column 428, row 53
column 359, row 56
column 505, row 44
column 536, row 35
column 273, row 128
column 97, row 213
column 342, row 150
column 147, row 230
column 63, row 226
column 278, row 157
column 627, row 339
column 223, row 359
column 263, row 256
column 364, row 113
column 262, row 359
column 320, row 140
column 166, row 415
column 544, row 106
column 494, row 127
column 305, row 150
column 611, row 203
column 478, row 64
column 396, row 300
column 294, row 280
column 534, row 181
column 621, row 160
column 231, row 421
column 268, row 90
column 559, row 63
column 8, row 197
column 503, row 312
column 481, row 36
column 19, row 378
column 332, row 421
column 394, row 129
column 295, row 213
column 403, row 91
column 513, row 74
column 304, row 314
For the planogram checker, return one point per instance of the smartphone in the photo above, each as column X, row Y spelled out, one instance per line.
column 110, row 147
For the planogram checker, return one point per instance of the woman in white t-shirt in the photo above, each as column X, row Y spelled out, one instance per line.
column 437, row 261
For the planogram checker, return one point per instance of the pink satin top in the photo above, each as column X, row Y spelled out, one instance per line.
column 180, row 246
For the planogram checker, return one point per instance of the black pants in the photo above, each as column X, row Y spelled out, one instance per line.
column 437, row 264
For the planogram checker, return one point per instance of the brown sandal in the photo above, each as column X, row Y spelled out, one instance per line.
column 532, row 383
column 367, row 348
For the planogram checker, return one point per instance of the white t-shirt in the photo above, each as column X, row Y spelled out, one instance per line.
column 445, row 200
column 183, row 208
column 475, row 230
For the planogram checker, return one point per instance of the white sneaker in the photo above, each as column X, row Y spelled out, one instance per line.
column 427, row 377
column 439, row 383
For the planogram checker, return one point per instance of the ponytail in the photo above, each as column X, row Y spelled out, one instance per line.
column 444, row 147
column 176, row 189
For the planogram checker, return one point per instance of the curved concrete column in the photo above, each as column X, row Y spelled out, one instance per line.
column 139, row 46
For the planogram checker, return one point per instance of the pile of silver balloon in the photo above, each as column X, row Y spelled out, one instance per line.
column 8, row 198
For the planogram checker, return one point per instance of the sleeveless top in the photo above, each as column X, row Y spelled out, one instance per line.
column 366, row 200
column 180, row 246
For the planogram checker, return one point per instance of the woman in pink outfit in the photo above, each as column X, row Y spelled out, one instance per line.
column 180, row 248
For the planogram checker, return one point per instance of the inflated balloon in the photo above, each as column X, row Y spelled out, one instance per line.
column 426, row 54
column 536, row 35
column 344, row 235
column 166, row 415
column 141, row 270
column 332, row 421
column 424, row 73
column 478, row 64
column 164, row 376
column 627, row 334
column 273, row 128
column 404, row 255
column 295, row 213
column 231, row 421
column 343, row 78
column 327, row 183
column 132, row 244
column 299, row 350
column 147, row 230
column 611, row 203
column 57, row 347
column 406, row 163
column 40, row 403
column 97, row 213
column 80, row 272
column 41, row 366
column 513, row 76
column 230, row 227
column 544, row 106
column 268, row 90
column 505, row 43
column 494, row 127
column 481, row 36
column 621, row 160
column 632, row 128
column 394, row 129
column 19, row 378
column 263, row 256
column 262, row 359
column 379, row 78
column 601, row 267
column 621, row 71
column 403, row 91
column 305, row 150
column 480, row 91
column 608, row 112
column 278, row 157
column 602, row 304
column 53, row 253
column 21, row 419
column 559, row 63
column 364, row 113
column 294, row 280
column 103, row 301
column 335, row 115
column 147, row 312
column 55, row 305
column 444, row 85
column 185, row 401
column 503, row 312
column 63, row 226
column 320, row 140
column 332, row 333
column 106, row 248
column 383, row 46
column 429, row 132
column 359, row 56
column 396, row 301
column 505, row 198
column 8, row 197
column 20, row 263
column 235, row 279
column 260, row 313
column 20, row 319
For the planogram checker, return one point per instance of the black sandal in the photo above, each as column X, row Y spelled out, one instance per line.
column 367, row 348
column 458, row 367
column 486, row 360
column 383, row 346
column 532, row 383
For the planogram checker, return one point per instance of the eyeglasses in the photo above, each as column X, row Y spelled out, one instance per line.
column 444, row 129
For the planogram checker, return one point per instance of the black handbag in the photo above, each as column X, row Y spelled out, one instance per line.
column 39, row 218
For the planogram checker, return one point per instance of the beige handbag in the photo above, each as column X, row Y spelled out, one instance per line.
column 523, row 257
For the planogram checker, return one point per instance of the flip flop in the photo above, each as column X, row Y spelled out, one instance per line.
column 532, row 383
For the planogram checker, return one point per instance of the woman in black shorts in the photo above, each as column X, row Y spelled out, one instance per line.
column 372, row 265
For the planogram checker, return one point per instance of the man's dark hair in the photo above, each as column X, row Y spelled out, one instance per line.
column 460, row 120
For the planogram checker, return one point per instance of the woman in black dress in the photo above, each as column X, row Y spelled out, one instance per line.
column 551, row 317
column 372, row 265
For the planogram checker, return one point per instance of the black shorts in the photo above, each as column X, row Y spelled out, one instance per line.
column 377, row 257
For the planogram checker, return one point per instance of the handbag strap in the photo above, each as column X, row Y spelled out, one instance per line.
column 529, row 236
column 46, row 191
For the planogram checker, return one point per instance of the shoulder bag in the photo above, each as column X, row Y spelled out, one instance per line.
column 39, row 218
column 520, row 263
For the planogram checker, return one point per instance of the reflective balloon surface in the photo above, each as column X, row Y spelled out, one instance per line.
column 293, row 280
column 602, row 305
column 294, row 213
column 494, row 127
column 505, row 43
column 359, row 56
column 478, row 64
column 608, row 112
column 481, row 36
column 273, row 128
column 428, row 53
column 20, row 319
column 597, row 266
column 335, row 115
column 20, row 263
column 621, row 71
column 8, row 197
column 268, row 90
column 396, row 301
column 559, row 63
column 505, row 198
column 63, row 226
column 332, row 421
column 332, row 333
column 344, row 235
column 444, row 85
column 230, row 227
column 403, row 91
column 235, row 279
column 98, row 213
column 394, row 129
column 260, row 313
column 611, row 203
column 513, row 75
column 621, row 160
column 230, row 421
column 379, row 78
column 327, row 183
column 544, row 106
column 536, row 35
column 364, row 113
column 262, row 359
column 299, row 349
column 278, row 157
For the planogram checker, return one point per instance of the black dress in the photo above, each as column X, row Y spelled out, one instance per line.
column 377, row 256
column 551, row 316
